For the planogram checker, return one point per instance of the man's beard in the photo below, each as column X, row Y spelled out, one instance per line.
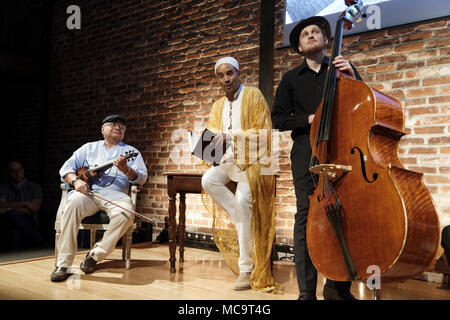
column 313, row 49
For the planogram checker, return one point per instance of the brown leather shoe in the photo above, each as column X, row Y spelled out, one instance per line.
column 60, row 274
column 88, row 265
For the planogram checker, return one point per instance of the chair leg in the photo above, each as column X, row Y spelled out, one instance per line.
column 126, row 248
column 125, row 244
column 124, row 241
column 93, row 237
column 128, row 259
column 57, row 234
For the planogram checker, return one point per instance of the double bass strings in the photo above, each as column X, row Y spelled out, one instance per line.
column 324, row 117
column 324, row 130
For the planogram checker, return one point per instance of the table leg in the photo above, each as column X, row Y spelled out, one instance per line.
column 172, row 232
column 182, row 225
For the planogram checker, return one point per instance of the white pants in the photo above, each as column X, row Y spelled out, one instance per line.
column 239, row 208
column 78, row 207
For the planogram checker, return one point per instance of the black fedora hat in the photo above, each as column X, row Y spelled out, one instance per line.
column 112, row 118
column 319, row 21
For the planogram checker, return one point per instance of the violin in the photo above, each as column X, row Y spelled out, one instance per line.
column 90, row 175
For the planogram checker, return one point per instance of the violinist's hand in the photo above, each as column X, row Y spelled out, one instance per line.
column 310, row 118
column 121, row 164
column 343, row 66
column 81, row 186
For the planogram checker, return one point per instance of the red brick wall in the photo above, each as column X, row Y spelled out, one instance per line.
column 153, row 61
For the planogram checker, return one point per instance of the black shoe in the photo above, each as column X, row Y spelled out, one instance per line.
column 88, row 265
column 60, row 274
column 333, row 294
column 307, row 296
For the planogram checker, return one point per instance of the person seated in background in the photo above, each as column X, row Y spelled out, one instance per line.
column 20, row 201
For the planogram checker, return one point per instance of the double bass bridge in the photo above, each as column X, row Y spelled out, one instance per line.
column 330, row 170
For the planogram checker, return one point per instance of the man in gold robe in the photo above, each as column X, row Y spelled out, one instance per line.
column 242, row 118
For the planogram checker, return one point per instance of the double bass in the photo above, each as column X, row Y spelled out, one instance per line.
column 367, row 209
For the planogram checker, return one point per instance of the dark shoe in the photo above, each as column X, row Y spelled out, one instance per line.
column 88, row 265
column 60, row 274
column 333, row 294
column 307, row 296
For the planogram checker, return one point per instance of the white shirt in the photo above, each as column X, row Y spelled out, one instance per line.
column 235, row 106
column 227, row 162
column 113, row 183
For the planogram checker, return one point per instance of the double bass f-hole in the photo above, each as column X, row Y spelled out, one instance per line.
column 363, row 165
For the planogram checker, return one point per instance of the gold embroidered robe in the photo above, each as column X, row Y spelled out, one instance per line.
column 255, row 115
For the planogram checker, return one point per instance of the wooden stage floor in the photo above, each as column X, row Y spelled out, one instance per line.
column 203, row 276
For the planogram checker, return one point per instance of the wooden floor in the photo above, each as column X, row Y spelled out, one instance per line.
column 203, row 276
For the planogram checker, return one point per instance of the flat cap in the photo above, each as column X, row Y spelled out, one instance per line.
column 112, row 118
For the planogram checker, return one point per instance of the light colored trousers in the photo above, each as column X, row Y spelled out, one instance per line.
column 78, row 207
column 239, row 208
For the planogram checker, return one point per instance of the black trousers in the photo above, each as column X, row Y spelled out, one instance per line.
column 445, row 242
column 306, row 272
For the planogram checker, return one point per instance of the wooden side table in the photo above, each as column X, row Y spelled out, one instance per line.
column 181, row 183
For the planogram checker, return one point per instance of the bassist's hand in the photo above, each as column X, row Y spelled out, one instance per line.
column 81, row 186
column 343, row 66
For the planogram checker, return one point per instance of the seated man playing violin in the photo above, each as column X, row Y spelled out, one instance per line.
column 112, row 184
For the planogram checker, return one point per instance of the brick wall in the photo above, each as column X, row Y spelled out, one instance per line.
column 152, row 61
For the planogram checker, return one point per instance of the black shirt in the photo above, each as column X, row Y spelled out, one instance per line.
column 298, row 95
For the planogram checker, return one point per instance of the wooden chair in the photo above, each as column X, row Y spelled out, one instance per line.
column 98, row 221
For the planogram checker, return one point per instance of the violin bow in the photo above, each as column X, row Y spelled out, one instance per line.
column 136, row 214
